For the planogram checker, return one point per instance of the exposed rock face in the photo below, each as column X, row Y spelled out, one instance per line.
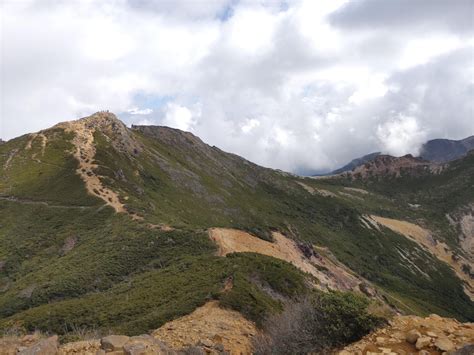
column 416, row 335
column 356, row 163
column 42, row 347
column 384, row 166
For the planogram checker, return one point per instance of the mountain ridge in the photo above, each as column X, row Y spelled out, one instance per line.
column 86, row 261
column 438, row 150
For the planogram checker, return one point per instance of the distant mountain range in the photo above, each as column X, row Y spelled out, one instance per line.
column 444, row 150
column 435, row 150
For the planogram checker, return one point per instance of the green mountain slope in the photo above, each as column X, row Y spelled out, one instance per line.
column 105, row 226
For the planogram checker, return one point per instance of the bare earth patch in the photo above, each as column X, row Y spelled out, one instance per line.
column 313, row 190
column 330, row 273
column 209, row 323
column 353, row 189
column 426, row 240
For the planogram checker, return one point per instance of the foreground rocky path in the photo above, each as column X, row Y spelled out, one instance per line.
column 404, row 335
column 417, row 335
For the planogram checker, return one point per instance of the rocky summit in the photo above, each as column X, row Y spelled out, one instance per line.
column 146, row 240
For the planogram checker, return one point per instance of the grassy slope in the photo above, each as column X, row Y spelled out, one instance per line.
column 176, row 180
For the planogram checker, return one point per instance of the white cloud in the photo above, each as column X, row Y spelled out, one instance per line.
column 177, row 116
column 303, row 86
column 420, row 50
column 137, row 111
column 401, row 136
column 249, row 125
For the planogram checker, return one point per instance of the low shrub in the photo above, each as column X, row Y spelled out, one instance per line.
column 316, row 324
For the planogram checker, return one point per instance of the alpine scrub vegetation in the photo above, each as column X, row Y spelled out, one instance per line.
column 317, row 323
column 69, row 259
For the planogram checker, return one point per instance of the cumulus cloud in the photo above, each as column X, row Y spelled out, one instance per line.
column 401, row 136
column 303, row 86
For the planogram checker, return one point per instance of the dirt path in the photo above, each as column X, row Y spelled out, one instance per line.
column 330, row 273
column 209, row 324
column 9, row 159
column 44, row 141
column 84, row 153
column 425, row 239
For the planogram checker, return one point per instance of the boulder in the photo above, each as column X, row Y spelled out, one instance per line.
column 422, row 342
column 145, row 345
column 48, row 346
column 29, row 338
column 113, row 342
column 412, row 336
column 444, row 344
column 207, row 343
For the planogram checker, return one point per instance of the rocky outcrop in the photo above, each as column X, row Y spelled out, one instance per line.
column 384, row 166
column 416, row 335
column 210, row 328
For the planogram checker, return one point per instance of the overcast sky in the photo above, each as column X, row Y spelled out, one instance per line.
column 302, row 86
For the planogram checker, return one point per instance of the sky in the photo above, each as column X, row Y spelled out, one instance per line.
column 303, row 86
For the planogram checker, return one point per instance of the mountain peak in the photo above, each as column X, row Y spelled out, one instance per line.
column 443, row 150
column 102, row 120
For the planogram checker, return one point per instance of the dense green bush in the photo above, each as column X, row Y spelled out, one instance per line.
column 317, row 324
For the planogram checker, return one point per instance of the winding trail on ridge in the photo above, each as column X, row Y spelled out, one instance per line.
column 84, row 153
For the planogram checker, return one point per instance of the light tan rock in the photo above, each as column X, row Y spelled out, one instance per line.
column 412, row 336
column 113, row 342
column 422, row 342
column 31, row 337
column 444, row 344
column 84, row 347
column 145, row 345
column 47, row 346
